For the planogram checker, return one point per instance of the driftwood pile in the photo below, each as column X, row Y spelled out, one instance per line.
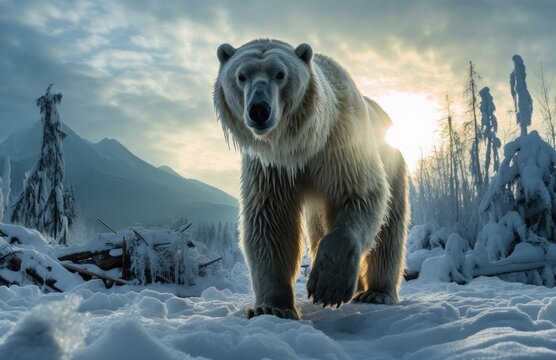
column 131, row 256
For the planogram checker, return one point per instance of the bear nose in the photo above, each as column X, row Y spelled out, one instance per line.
column 259, row 112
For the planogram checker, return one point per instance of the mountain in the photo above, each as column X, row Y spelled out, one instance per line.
column 169, row 170
column 112, row 183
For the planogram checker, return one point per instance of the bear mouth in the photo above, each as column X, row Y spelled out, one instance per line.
column 259, row 114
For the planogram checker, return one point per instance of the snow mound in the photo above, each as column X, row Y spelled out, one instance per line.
column 49, row 331
column 487, row 318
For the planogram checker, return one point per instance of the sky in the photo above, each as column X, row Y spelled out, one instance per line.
column 142, row 72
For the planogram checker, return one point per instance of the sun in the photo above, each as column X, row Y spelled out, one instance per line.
column 414, row 117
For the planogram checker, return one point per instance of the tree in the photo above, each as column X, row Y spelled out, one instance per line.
column 6, row 187
column 1, row 199
column 522, row 99
column 70, row 207
column 489, row 127
column 471, row 93
column 547, row 103
column 518, row 207
column 454, row 180
column 41, row 204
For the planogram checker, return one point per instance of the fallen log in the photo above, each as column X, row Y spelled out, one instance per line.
column 42, row 281
column 498, row 269
column 509, row 268
column 102, row 259
column 103, row 277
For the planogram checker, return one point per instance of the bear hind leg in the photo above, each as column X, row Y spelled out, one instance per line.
column 383, row 266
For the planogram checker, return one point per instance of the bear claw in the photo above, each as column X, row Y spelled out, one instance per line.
column 269, row 310
column 328, row 296
column 375, row 297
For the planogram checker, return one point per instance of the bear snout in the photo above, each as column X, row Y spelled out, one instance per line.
column 259, row 113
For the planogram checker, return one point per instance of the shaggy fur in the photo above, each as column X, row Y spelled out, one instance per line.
column 320, row 156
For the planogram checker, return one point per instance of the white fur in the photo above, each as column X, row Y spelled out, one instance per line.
column 324, row 156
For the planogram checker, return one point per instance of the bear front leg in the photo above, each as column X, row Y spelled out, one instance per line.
column 270, row 238
column 335, row 270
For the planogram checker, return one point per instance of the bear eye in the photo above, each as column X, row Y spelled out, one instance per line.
column 241, row 77
column 280, row 75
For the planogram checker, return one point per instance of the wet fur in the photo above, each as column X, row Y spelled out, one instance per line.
column 326, row 163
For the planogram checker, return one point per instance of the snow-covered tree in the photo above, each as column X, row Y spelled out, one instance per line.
column 523, row 103
column 547, row 106
column 516, row 233
column 489, row 127
column 70, row 204
column 6, row 186
column 444, row 188
column 471, row 93
column 41, row 204
column 519, row 207
column 1, row 199
column 520, row 204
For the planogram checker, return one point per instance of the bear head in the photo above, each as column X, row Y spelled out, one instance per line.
column 264, row 95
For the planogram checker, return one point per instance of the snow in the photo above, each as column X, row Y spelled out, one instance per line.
column 488, row 318
column 523, row 103
column 516, row 235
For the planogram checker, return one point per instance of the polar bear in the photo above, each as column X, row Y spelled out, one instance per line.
column 313, row 157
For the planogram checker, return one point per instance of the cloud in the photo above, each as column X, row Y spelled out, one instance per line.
column 135, row 70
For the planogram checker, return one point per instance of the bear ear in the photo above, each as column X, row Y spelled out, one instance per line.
column 224, row 52
column 304, row 52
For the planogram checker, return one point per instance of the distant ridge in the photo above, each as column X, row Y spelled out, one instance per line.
column 112, row 183
column 169, row 170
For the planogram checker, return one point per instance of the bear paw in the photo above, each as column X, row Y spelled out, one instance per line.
column 292, row 314
column 333, row 279
column 375, row 297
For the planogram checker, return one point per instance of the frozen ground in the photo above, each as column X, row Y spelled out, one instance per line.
column 486, row 319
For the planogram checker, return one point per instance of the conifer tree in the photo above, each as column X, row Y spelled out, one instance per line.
column 471, row 93
column 41, row 205
column 6, row 186
column 489, row 127
column 522, row 99
column 1, row 199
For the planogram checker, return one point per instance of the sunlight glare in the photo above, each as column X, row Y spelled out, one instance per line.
column 414, row 118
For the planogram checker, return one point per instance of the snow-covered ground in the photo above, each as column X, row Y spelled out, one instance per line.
column 486, row 319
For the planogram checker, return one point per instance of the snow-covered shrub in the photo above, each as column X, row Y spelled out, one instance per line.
column 497, row 239
column 460, row 269
column 161, row 255
column 437, row 255
column 423, row 242
column 220, row 240
column 520, row 203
